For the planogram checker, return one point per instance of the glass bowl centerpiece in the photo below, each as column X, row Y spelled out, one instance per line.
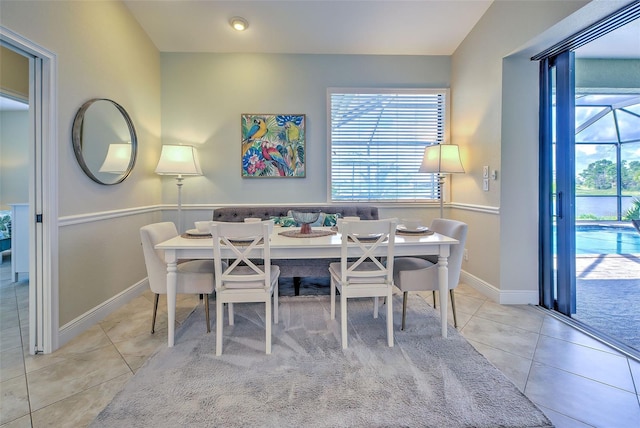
column 305, row 219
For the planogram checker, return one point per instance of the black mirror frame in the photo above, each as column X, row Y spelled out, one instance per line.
column 76, row 138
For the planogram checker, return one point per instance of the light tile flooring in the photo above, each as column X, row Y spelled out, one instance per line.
column 575, row 380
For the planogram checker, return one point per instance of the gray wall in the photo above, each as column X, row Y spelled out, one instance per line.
column 101, row 52
column 14, row 158
column 204, row 110
column 495, row 121
column 198, row 99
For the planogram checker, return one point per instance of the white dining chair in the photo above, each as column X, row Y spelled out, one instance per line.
column 193, row 277
column 249, row 275
column 360, row 272
column 421, row 274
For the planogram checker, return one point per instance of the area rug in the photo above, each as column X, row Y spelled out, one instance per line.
column 310, row 381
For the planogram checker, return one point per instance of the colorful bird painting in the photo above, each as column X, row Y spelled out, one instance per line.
column 273, row 145
column 292, row 132
column 257, row 131
column 272, row 154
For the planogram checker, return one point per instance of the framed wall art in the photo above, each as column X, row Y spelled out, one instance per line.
column 273, row 145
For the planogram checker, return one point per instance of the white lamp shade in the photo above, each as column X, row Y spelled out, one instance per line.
column 118, row 158
column 178, row 160
column 441, row 159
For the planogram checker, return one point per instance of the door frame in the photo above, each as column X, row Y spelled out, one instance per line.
column 43, row 196
column 565, row 212
column 557, row 206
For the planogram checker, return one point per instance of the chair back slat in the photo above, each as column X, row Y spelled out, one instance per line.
column 360, row 255
column 251, row 258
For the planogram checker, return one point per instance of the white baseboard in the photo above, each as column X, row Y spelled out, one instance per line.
column 504, row 297
column 92, row 317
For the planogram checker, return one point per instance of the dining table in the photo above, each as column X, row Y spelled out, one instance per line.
column 325, row 246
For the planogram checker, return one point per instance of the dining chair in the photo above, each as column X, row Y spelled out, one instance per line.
column 193, row 276
column 360, row 272
column 249, row 275
column 421, row 274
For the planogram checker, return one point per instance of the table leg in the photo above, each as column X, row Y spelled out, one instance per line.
column 443, row 282
column 172, row 280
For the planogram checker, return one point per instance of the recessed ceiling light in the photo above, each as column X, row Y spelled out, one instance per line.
column 238, row 23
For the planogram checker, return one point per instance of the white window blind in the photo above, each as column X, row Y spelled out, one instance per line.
column 377, row 141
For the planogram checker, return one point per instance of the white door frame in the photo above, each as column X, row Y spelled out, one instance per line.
column 43, row 195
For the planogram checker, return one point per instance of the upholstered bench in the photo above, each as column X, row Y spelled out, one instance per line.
column 296, row 269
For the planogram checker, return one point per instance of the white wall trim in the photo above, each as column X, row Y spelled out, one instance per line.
column 503, row 297
column 480, row 286
column 519, row 297
column 92, row 317
column 126, row 212
column 43, row 192
column 106, row 215
column 476, row 208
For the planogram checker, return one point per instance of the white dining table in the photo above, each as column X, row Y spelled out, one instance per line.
column 317, row 247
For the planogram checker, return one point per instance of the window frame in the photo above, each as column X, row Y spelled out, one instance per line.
column 443, row 193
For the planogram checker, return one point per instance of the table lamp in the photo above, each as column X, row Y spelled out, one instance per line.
column 441, row 159
column 178, row 161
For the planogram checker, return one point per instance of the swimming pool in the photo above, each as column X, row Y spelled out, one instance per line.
column 605, row 239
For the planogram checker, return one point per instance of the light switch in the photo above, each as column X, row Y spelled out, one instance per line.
column 485, row 171
column 485, row 184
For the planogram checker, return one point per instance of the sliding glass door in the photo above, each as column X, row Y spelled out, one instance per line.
column 557, row 183
column 590, row 178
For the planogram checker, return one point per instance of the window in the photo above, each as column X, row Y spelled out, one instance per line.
column 607, row 153
column 377, row 138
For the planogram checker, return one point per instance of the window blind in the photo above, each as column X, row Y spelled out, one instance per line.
column 377, row 141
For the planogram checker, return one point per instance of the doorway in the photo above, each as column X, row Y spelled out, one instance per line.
column 42, row 213
column 590, row 122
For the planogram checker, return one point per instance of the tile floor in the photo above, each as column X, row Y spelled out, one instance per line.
column 575, row 380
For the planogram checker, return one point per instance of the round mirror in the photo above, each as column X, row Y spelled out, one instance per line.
column 104, row 141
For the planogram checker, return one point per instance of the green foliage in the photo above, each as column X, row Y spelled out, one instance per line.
column 633, row 213
column 588, row 217
column 5, row 225
column 601, row 177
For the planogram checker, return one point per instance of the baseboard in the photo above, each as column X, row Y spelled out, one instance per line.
column 92, row 317
column 504, row 297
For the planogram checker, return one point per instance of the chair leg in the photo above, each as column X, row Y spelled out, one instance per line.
column 343, row 320
column 296, row 285
column 375, row 307
column 155, row 311
column 275, row 303
column 219, row 321
column 232, row 318
column 434, row 299
column 404, row 308
column 453, row 308
column 333, row 299
column 206, row 311
column 267, row 325
column 389, row 321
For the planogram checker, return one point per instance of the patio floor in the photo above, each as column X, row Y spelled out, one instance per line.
column 608, row 295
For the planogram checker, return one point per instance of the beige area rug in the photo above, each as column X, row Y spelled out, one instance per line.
column 309, row 381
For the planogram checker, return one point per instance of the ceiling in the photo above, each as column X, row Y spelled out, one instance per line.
column 373, row 27
column 367, row 27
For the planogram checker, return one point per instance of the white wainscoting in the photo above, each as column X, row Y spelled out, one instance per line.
column 95, row 315
column 504, row 297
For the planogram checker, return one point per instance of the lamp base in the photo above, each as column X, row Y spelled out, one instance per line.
column 441, row 178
